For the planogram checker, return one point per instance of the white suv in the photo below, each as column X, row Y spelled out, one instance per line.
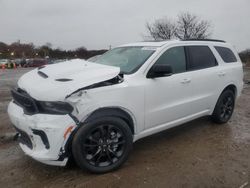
column 95, row 111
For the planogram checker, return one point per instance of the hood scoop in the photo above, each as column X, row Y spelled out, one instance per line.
column 63, row 80
column 42, row 74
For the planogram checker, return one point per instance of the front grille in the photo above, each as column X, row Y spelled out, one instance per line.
column 22, row 99
column 24, row 138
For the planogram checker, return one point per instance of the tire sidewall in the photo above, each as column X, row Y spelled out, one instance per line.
column 217, row 110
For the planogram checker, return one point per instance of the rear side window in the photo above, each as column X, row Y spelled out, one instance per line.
column 200, row 57
column 175, row 57
column 226, row 54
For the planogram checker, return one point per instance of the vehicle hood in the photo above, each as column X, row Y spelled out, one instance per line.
column 42, row 83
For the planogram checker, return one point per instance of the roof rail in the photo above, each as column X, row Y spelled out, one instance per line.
column 158, row 40
column 212, row 40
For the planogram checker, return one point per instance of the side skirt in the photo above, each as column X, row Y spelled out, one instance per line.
column 169, row 125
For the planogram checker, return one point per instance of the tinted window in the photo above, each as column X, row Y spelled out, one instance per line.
column 200, row 57
column 226, row 54
column 175, row 57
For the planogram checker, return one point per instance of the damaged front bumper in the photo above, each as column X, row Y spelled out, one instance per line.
column 41, row 136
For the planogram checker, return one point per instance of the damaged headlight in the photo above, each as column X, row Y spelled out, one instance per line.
column 59, row 108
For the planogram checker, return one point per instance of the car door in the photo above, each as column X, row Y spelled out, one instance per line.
column 205, row 79
column 169, row 98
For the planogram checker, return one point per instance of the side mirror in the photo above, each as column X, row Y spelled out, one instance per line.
column 157, row 71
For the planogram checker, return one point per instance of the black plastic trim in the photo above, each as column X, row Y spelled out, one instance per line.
column 43, row 136
column 23, row 138
column 115, row 112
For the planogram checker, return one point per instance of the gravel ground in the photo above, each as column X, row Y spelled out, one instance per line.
column 196, row 154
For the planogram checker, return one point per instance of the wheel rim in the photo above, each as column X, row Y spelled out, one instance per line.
column 227, row 107
column 104, row 146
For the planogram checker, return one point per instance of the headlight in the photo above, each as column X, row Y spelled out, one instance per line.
column 59, row 108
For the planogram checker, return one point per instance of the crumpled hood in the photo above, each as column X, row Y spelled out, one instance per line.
column 42, row 83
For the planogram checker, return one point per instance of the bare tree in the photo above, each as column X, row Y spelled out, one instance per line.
column 45, row 49
column 245, row 56
column 191, row 26
column 187, row 26
column 48, row 44
column 162, row 29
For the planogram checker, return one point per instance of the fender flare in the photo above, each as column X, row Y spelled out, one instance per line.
column 111, row 111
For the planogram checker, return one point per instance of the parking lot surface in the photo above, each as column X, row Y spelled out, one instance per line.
column 196, row 154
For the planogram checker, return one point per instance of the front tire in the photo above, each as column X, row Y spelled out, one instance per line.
column 102, row 145
column 224, row 107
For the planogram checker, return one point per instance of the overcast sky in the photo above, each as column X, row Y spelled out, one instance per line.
column 97, row 24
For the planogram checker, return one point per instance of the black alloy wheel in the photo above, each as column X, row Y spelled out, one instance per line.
column 102, row 145
column 227, row 107
column 224, row 107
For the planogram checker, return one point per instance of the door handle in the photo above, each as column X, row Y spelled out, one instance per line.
column 222, row 73
column 186, row 81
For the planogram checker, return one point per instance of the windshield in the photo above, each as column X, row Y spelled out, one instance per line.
column 129, row 59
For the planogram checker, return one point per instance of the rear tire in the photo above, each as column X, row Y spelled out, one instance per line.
column 224, row 107
column 102, row 145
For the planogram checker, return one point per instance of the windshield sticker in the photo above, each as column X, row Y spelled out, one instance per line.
column 149, row 48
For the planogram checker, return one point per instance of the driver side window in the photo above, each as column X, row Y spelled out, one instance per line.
column 175, row 57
